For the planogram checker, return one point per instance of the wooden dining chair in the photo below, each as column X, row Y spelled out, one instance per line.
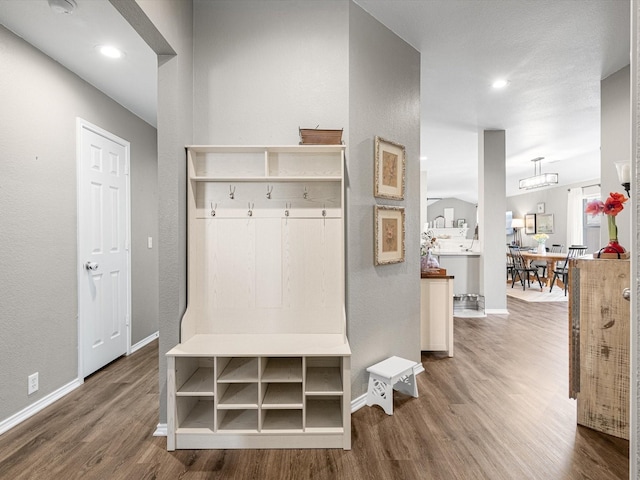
column 561, row 269
column 521, row 269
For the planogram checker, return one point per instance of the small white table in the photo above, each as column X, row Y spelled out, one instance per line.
column 394, row 373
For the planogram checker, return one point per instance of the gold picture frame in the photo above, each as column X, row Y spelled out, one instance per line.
column 389, row 235
column 389, row 169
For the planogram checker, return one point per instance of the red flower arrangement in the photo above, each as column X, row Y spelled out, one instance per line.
column 611, row 207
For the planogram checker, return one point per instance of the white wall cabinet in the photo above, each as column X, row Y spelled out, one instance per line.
column 264, row 360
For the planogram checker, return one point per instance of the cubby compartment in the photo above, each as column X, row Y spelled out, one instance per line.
column 230, row 164
column 195, row 414
column 282, row 369
column 310, row 163
column 282, row 420
column 237, row 395
column 324, row 376
column 194, row 376
column 237, row 369
column 239, row 421
column 324, row 413
column 281, row 395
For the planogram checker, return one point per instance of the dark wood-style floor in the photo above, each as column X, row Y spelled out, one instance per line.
column 497, row 410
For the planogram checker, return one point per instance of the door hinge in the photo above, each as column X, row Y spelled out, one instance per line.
column 127, row 320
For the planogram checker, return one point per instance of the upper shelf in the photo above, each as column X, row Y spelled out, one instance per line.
column 275, row 163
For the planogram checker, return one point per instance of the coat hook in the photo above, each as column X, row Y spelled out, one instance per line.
column 269, row 190
column 324, row 210
column 287, row 206
column 306, row 193
column 250, row 212
column 232, row 192
column 213, row 209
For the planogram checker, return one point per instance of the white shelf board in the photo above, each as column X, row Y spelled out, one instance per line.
column 240, row 395
column 266, row 178
column 323, row 381
column 265, row 345
column 266, row 148
column 282, row 421
column 201, row 383
column 240, row 370
column 324, row 415
column 245, row 421
column 283, row 370
column 283, row 395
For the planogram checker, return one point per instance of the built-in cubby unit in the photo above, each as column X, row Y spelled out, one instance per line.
column 264, row 361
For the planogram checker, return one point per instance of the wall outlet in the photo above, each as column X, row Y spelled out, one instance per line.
column 149, row 242
column 32, row 383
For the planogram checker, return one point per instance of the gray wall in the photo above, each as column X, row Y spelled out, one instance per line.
column 615, row 139
column 264, row 68
column 383, row 303
column 173, row 19
column 38, row 309
column 555, row 202
column 461, row 209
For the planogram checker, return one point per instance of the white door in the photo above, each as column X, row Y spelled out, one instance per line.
column 103, row 247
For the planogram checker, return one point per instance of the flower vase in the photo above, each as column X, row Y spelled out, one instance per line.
column 613, row 249
column 541, row 249
column 424, row 263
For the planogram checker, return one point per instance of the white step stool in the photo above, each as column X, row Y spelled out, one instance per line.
column 394, row 373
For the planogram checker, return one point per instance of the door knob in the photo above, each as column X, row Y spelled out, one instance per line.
column 626, row 294
column 91, row 266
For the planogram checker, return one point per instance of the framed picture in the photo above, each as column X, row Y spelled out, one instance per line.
column 389, row 169
column 389, row 235
column 544, row 223
column 541, row 207
column 530, row 223
column 460, row 222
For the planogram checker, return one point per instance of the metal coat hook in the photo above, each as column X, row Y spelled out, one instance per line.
column 213, row 209
column 324, row 210
column 269, row 190
column 250, row 212
column 232, row 192
column 287, row 206
column 306, row 193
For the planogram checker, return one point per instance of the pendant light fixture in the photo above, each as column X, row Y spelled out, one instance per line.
column 539, row 179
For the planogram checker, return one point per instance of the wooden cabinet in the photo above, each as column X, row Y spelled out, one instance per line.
column 264, row 360
column 436, row 313
column 599, row 318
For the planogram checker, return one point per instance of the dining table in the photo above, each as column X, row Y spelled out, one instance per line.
column 549, row 257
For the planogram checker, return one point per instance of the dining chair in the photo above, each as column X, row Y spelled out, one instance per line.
column 561, row 268
column 509, row 263
column 521, row 269
column 541, row 265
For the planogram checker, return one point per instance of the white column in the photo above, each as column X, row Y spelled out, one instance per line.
column 492, row 207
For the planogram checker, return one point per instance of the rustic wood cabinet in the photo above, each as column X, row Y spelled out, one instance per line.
column 599, row 318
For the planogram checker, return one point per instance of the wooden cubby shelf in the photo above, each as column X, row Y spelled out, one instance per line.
column 264, row 360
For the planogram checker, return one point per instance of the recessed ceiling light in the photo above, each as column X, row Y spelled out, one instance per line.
column 64, row 7
column 110, row 51
column 500, row 83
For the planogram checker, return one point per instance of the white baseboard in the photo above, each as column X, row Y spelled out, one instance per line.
column 361, row 401
column 144, row 342
column 34, row 408
column 496, row 311
column 161, row 430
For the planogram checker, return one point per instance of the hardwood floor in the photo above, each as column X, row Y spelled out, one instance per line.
column 498, row 410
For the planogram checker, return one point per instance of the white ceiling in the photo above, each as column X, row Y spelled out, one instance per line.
column 553, row 52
